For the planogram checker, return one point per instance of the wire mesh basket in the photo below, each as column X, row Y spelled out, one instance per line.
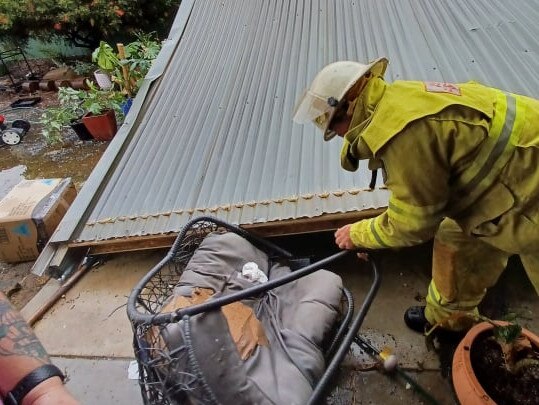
column 171, row 374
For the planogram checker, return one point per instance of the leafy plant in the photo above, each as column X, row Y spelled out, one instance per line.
column 507, row 333
column 54, row 120
column 105, row 57
column 516, row 348
column 128, row 70
column 83, row 22
column 69, row 98
column 83, row 68
column 74, row 104
column 97, row 101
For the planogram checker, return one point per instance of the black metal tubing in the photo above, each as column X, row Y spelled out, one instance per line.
column 227, row 299
column 255, row 290
column 156, row 319
column 344, row 324
column 340, row 351
column 349, row 338
column 10, row 54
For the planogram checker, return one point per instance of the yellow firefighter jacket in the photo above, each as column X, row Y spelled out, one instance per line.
column 465, row 151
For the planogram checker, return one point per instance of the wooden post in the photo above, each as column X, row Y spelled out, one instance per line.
column 125, row 69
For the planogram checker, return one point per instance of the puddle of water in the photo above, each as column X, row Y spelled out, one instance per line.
column 33, row 158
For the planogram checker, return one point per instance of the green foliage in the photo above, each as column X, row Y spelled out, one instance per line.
column 71, row 99
column 56, row 56
column 84, row 22
column 54, row 119
column 82, row 68
column 105, row 57
column 139, row 56
column 507, row 333
column 74, row 104
column 97, row 101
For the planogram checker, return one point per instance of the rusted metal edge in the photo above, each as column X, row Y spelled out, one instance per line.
column 296, row 226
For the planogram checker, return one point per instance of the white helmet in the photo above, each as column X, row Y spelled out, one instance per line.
column 328, row 89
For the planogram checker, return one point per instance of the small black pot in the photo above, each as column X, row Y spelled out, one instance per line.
column 81, row 131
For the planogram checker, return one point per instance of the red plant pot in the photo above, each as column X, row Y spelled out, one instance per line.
column 102, row 127
column 468, row 389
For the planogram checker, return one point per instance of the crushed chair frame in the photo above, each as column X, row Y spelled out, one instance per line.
column 165, row 376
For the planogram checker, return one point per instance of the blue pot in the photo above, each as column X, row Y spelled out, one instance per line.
column 126, row 106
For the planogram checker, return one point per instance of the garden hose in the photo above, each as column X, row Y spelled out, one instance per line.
column 390, row 364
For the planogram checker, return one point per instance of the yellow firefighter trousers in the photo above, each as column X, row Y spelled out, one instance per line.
column 463, row 269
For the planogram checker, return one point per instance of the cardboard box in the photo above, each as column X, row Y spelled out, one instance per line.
column 29, row 214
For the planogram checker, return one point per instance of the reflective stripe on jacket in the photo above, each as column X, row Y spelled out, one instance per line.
column 471, row 156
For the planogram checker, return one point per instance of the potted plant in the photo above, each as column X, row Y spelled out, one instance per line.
column 68, row 113
column 106, row 59
column 497, row 362
column 128, row 67
column 80, row 129
column 101, row 107
column 71, row 99
column 91, row 113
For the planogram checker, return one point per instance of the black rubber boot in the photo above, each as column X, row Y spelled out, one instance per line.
column 415, row 319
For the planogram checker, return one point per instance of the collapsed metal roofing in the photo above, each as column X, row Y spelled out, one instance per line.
column 212, row 133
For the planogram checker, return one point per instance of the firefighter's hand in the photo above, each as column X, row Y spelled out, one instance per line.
column 342, row 238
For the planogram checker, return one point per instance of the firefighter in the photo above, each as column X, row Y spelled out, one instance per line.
column 461, row 162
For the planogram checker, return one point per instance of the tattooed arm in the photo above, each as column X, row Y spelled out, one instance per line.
column 21, row 353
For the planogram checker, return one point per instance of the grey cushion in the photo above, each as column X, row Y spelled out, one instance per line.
column 297, row 318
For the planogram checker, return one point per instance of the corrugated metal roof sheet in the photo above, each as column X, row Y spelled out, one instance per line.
column 216, row 134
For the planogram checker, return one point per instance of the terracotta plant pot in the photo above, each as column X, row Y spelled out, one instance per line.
column 62, row 83
column 79, row 83
column 47, row 85
column 103, row 127
column 30, row 86
column 468, row 389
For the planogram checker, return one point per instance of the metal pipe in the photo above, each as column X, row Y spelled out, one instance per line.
column 349, row 337
column 82, row 270
column 344, row 324
column 372, row 351
column 248, row 292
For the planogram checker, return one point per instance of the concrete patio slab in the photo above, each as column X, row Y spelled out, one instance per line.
column 89, row 334
column 99, row 381
column 373, row 387
column 404, row 282
column 91, row 320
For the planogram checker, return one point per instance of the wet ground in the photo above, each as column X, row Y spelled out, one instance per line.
column 88, row 333
column 32, row 159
